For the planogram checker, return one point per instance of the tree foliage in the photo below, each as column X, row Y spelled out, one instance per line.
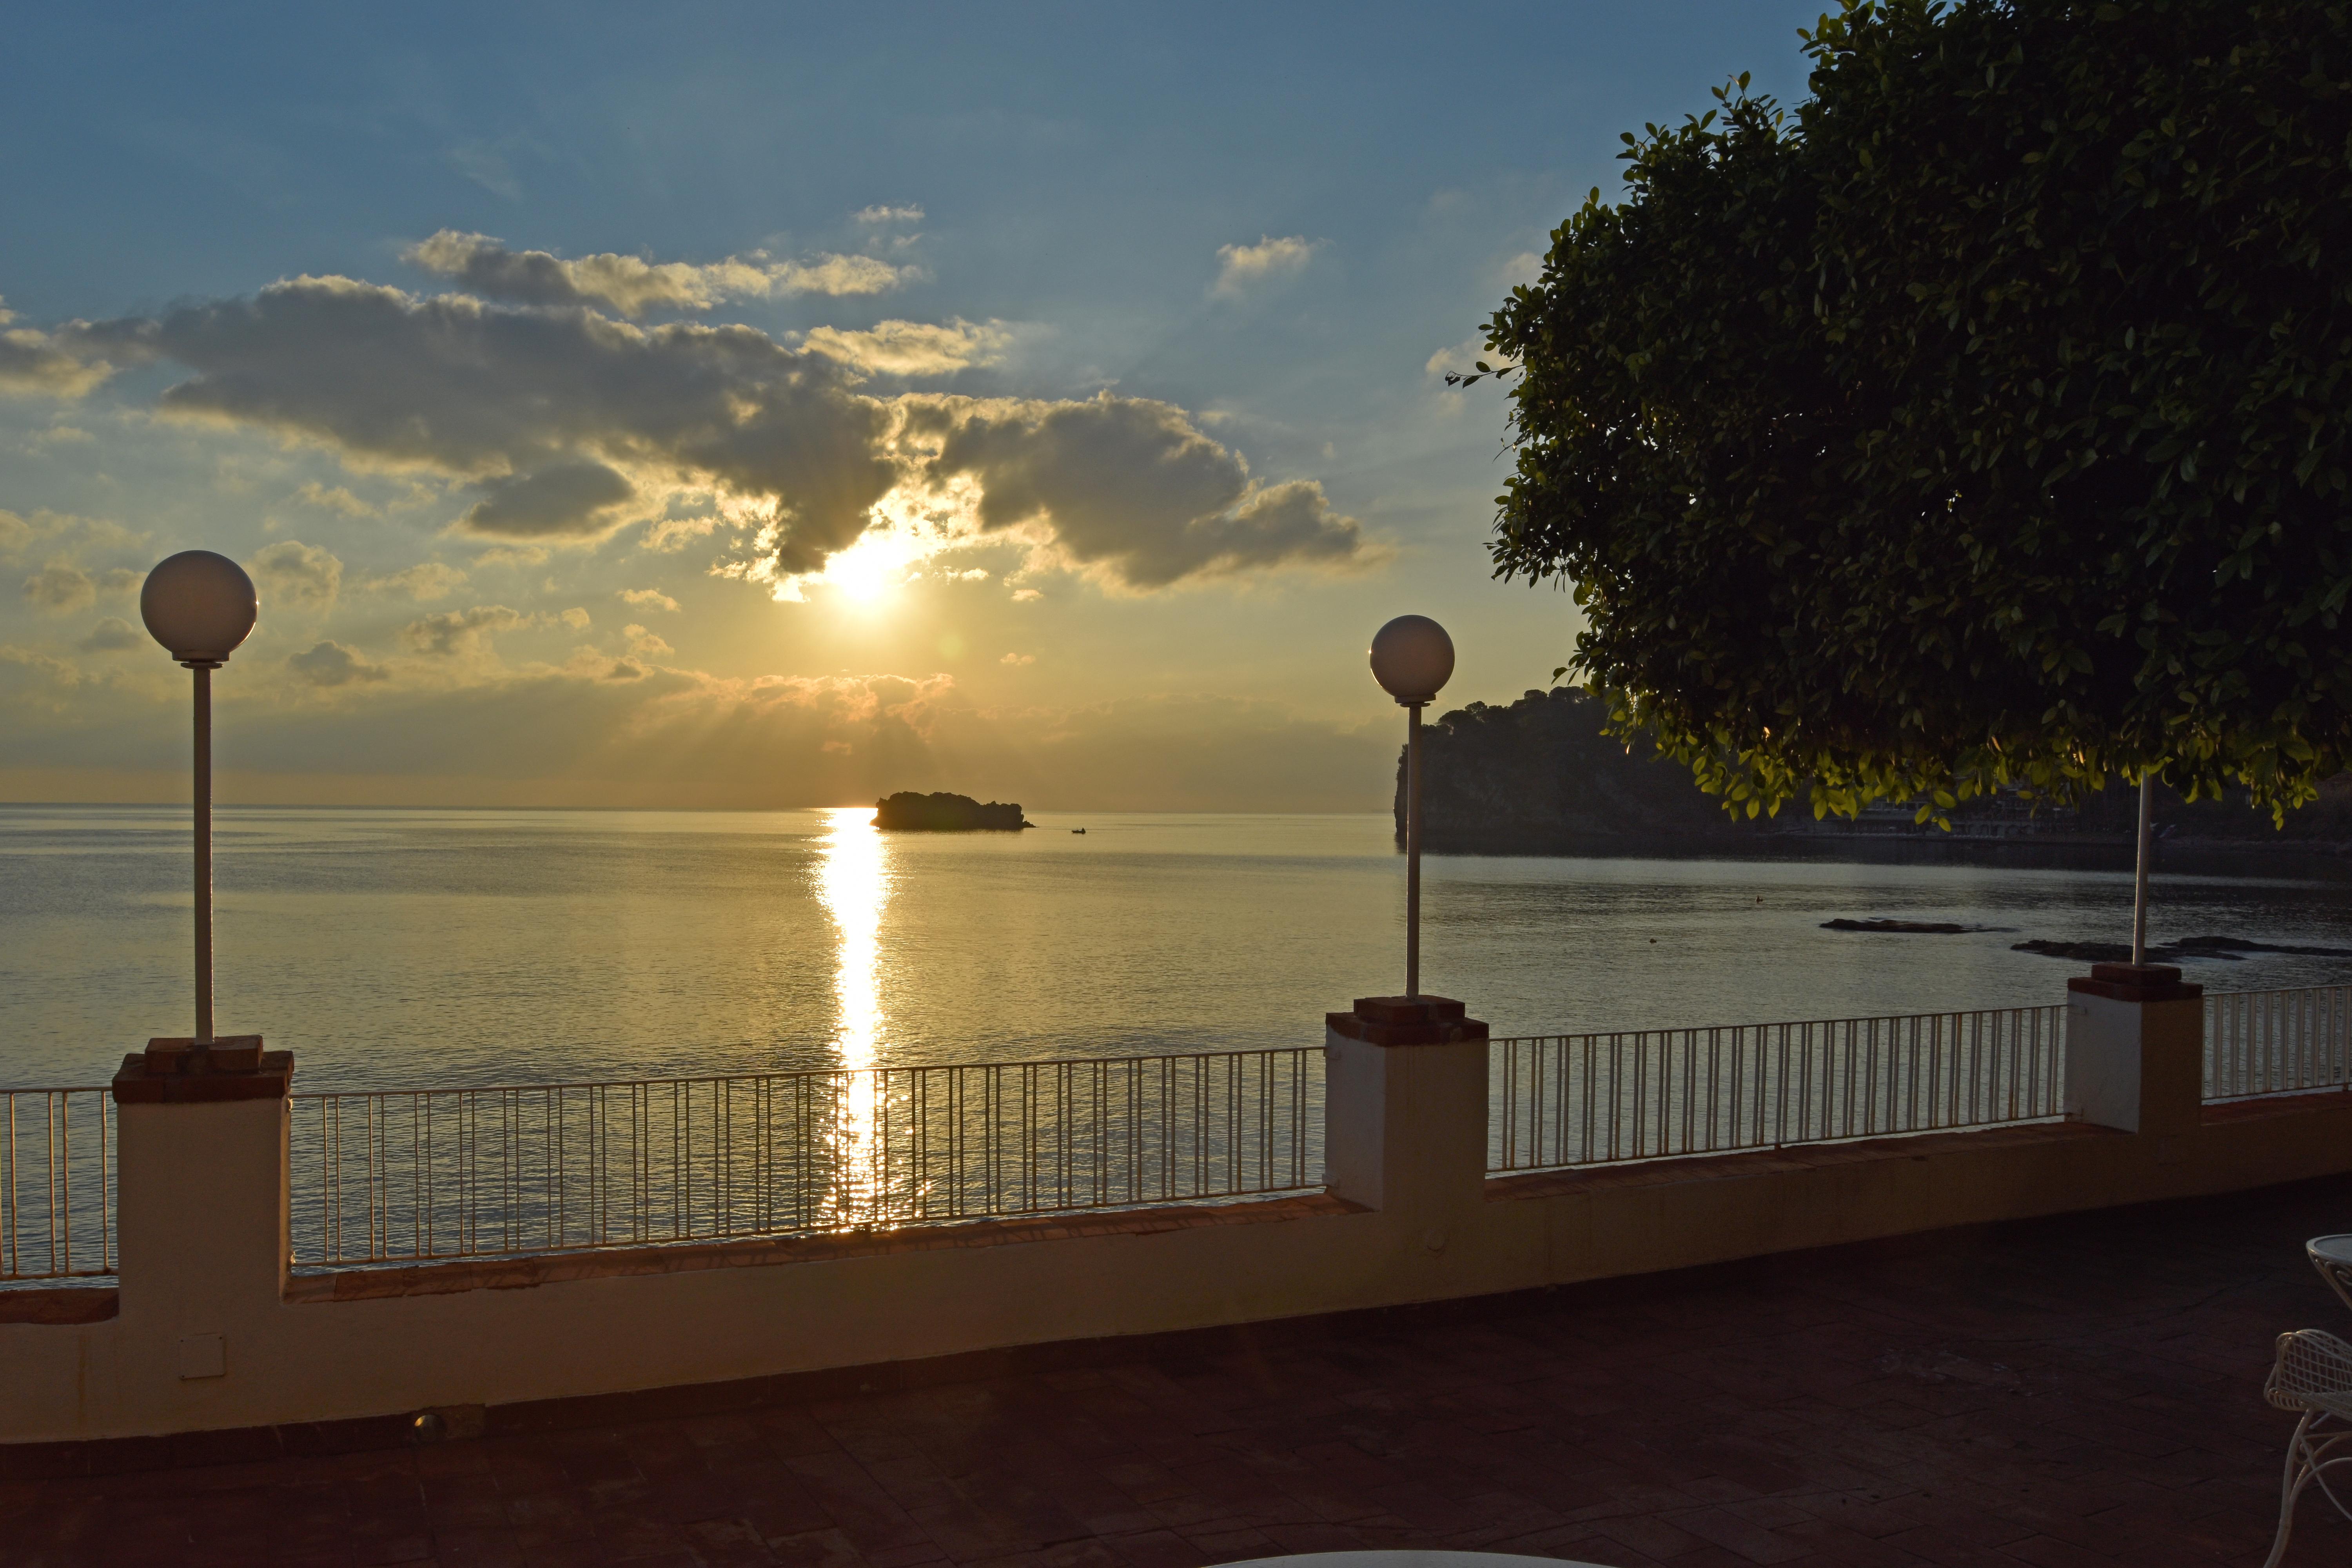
column 1982, row 421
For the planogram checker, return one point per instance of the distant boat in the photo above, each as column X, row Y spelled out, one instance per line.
column 1077, row 830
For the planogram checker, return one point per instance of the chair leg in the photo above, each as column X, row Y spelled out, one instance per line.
column 2321, row 1457
column 2291, row 1487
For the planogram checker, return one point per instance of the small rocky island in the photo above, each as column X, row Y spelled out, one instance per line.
column 944, row 813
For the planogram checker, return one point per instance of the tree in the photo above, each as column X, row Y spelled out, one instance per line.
column 1981, row 422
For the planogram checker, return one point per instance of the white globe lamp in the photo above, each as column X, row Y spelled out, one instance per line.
column 1413, row 659
column 201, row 606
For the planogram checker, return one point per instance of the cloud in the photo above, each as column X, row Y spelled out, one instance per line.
column 634, row 286
column 648, row 599
column 296, row 576
column 913, row 347
column 338, row 499
column 424, row 582
column 58, row 669
column 644, row 644
column 1242, row 266
column 486, row 168
column 1463, row 356
column 334, row 663
column 18, row 533
column 884, row 217
column 564, row 500
column 61, row 588
column 466, row 633
column 112, row 635
column 458, row 634
column 567, row 425
column 1018, row 659
column 512, row 555
column 532, row 405
column 1132, row 487
column 32, row 361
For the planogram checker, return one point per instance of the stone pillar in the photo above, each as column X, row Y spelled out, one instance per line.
column 1406, row 1108
column 2135, row 1050
column 201, row 1210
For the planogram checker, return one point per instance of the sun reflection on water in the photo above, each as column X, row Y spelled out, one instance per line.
column 853, row 885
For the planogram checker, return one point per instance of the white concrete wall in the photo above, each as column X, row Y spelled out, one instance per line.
column 203, row 1207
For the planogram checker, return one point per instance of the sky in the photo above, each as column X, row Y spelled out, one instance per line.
column 747, row 406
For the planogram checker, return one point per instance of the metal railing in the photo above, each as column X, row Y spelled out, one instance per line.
column 1581, row 1099
column 424, row 1173
column 2277, row 1042
column 56, row 1209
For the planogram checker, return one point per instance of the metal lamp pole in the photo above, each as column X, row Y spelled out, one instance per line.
column 200, row 606
column 1413, row 851
column 2139, row 873
column 1413, row 659
column 203, row 827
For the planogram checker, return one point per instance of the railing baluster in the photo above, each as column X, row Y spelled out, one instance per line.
column 1782, row 1084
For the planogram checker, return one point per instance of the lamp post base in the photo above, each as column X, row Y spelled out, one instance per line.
column 181, row 1072
column 1406, row 1021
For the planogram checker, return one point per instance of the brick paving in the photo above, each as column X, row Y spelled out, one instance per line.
column 2073, row 1392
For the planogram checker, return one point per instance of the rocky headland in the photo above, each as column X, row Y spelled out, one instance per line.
column 943, row 812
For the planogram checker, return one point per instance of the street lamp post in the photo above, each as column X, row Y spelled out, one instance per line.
column 1413, row 659
column 200, row 606
column 2139, row 869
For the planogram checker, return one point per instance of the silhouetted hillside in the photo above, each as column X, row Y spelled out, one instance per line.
column 1538, row 777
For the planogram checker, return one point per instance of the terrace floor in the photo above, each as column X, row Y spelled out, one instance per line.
column 2077, row 1391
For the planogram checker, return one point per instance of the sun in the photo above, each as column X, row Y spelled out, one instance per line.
column 874, row 567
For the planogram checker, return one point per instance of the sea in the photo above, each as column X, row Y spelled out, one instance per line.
column 416, row 948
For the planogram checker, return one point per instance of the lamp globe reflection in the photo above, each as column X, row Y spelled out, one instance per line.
column 1412, row 658
column 199, row 605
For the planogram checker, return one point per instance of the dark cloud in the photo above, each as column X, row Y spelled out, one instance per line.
column 456, row 385
column 295, row 576
column 61, row 588
column 454, row 633
column 567, row 500
column 334, row 663
column 1131, row 485
column 30, row 362
column 112, row 635
column 34, row 362
column 570, row 424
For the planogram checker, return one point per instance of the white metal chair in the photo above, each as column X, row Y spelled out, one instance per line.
column 2313, row 1374
column 2332, row 1256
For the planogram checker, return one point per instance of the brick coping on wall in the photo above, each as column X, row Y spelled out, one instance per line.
column 758, row 1252
column 1675, row 1169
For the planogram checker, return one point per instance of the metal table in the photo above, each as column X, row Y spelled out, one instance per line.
column 1412, row 1559
column 2332, row 1256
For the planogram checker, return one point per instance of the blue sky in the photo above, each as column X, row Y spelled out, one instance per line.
column 1253, row 231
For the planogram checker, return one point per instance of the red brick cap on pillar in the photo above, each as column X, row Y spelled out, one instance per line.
column 2136, row 983
column 1407, row 1021
column 178, row 1071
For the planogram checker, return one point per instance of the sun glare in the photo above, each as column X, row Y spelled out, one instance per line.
column 853, row 885
column 874, row 566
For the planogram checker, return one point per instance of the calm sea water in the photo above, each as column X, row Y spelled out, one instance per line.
column 410, row 947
